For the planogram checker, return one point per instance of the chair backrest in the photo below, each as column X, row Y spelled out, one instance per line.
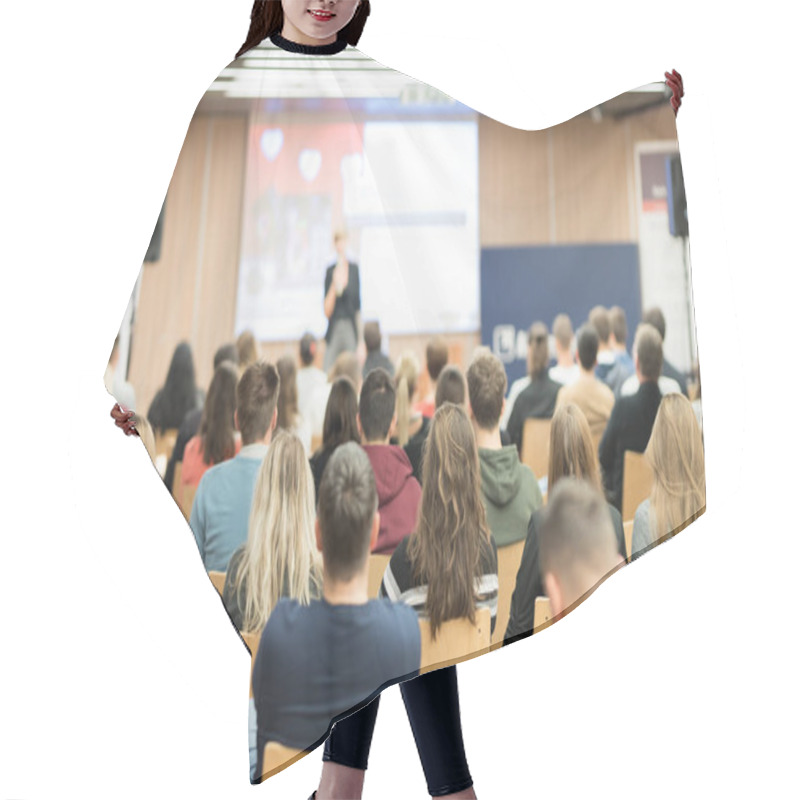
column 277, row 757
column 637, row 481
column 187, row 500
column 628, row 528
column 542, row 612
column 377, row 566
column 536, row 446
column 456, row 640
column 316, row 443
column 251, row 639
column 218, row 579
column 508, row 561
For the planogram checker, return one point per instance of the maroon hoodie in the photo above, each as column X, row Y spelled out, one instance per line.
column 399, row 494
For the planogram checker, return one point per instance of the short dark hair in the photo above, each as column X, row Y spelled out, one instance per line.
column 562, row 330
column 256, row 400
column 540, row 352
column 655, row 316
column 376, row 404
column 436, row 356
column 451, row 387
column 308, row 349
column 372, row 336
column 487, row 382
column 619, row 324
column 346, row 507
column 227, row 352
column 247, row 349
column 588, row 345
column 649, row 351
column 598, row 316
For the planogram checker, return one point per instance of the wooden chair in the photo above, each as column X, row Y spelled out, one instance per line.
column 316, row 443
column 251, row 639
column 377, row 566
column 456, row 640
column 542, row 613
column 628, row 528
column 277, row 757
column 536, row 446
column 187, row 500
column 637, row 481
column 218, row 579
column 508, row 561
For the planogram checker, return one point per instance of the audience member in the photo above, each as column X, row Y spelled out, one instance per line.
column 451, row 387
column 632, row 418
column 375, row 357
column 310, row 379
column 539, row 399
column 247, row 350
column 591, row 395
column 565, row 371
column 289, row 416
column 600, row 321
column 411, row 423
column 623, row 363
column 675, row 454
column 446, row 570
column 345, row 366
column 436, row 357
column 398, row 490
column 178, row 395
column 577, row 544
column 572, row 455
column 509, row 489
column 114, row 380
column 341, row 426
column 217, row 438
column 221, row 508
column 517, row 387
column 318, row 662
column 655, row 317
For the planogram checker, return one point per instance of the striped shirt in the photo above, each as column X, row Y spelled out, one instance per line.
column 399, row 584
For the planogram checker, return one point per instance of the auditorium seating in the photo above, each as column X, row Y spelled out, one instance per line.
column 277, row 757
column 251, row 639
column 456, row 640
column 377, row 566
column 637, row 481
column 628, row 528
column 218, row 579
column 536, row 446
column 187, row 500
column 542, row 613
column 316, row 443
column 508, row 561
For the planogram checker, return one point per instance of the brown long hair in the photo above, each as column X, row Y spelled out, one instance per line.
column 287, row 396
column 451, row 525
column 266, row 18
column 572, row 452
column 217, row 431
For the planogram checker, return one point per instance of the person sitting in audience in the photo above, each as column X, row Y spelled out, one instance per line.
column 411, row 424
column 509, row 489
column 675, row 454
column 436, row 357
column 445, row 570
column 591, row 395
column 310, row 379
column 516, row 389
column 674, row 382
column 247, row 350
column 217, row 439
column 578, row 548
column 572, row 455
column 655, row 317
column 538, row 401
column 115, row 383
column 191, row 421
column 600, row 321
column 178, row 395
column 221, row 508
column 623, row 364
column 375, row 356
column 318, row 662
column 632, row 418
column 289, row 416
column 341, row 426
column 345, row 366
column 398, row 490
column 566, row 371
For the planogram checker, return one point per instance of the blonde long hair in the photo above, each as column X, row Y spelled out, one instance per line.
column 675, row 453
column 280, row 557
column 572, row 452
column 405, row 382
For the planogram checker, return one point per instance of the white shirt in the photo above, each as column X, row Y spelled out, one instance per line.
column 566, row 376
column 665, row 385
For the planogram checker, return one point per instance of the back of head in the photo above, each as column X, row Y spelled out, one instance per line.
column 588, row 345
column 287, row 397
column 346, row 508
column 247, row 349
column 308, row 349
column 341, row 425
column 577, row 543
column 436, row 356
column 619, row 324
column 649, row 352
column 598, row 317
column 675, row 453
column 372, row 336
column 180, row 375
column 256, row 400
column 572, row 452
column 540, row 354
column 487, row 383
column 376, row 405
column 562, row 331
column 405, row 380
column 346, row 366
column 217, row 426
column 655, row 316
column 451, row 387
column 227, row 352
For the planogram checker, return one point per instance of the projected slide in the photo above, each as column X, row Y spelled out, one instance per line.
column 405, row 190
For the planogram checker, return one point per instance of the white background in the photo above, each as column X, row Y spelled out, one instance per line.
column 122, row 676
